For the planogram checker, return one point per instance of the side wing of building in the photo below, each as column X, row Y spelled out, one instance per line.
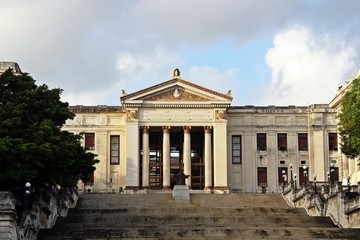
column 104, row 133
column 266, row 144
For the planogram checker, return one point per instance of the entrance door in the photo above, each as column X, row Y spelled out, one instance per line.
column 156, row 157
column 197, row 159
column 176, row 156
column 155, row 169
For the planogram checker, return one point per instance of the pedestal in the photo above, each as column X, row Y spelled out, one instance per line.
column 181, row 192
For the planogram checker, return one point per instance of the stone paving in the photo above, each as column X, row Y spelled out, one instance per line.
column 206, row 216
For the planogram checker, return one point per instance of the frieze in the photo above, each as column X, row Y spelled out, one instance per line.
column 176, row 115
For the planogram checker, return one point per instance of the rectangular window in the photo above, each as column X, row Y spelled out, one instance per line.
column 236, row 149
column 333, row 142
column 303, row 141
column 262, row 176
column 89, row 141
column 261, row 141
column 115, row 149
column 282, row 141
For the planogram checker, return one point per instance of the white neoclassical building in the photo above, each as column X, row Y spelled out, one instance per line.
column 349, row 167
column 178, row 125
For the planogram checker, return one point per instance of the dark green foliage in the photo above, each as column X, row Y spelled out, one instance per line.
column 32, row 145
column 349, row 121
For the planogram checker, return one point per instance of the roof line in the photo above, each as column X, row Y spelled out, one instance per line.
column 173, row 81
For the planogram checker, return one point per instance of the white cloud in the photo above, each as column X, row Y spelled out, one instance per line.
column 215, row 79
column 86, row 46
column 146, row 67
column 94, row 96
column 307, row 67
column 204, row 21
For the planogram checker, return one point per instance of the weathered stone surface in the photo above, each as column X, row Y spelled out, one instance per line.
column 7, row 216
column 206, row 216
column 181, row 192
column 6, row 65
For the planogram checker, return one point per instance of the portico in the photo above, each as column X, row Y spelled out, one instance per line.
column 163, row 158
column 173, row 126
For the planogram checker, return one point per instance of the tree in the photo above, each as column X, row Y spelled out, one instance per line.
column 349, row 121
column 33, row 148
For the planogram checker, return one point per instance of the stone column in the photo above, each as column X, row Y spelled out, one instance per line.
column 344, row 172
column 145, row 157
column 220, row 158
column 351, row 166
column 187, row 155
column 166, row 157
column 207, row 158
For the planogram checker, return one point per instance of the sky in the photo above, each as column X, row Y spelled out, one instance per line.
column 267, row 52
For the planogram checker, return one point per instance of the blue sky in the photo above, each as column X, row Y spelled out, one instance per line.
column 276, row 52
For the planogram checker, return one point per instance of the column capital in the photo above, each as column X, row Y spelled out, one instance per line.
column 187, row 129
column 166, row 129
column 145, row 129
column 207, row 129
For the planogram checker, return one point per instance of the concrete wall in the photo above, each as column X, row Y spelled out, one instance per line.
column 334, row 203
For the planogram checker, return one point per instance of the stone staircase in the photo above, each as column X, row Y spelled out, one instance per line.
column 207, row 216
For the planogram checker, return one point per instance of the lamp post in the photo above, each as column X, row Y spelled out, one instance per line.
column 291, row 175
column 27, row 192
column 348, row 185
column 315, row 184
column 305, row 174
column 332, row 175
column 284, row 178
column 295, row 176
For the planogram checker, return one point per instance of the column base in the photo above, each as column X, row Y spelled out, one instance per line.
column 131, row 189
column 221, row 189
column 134, row 188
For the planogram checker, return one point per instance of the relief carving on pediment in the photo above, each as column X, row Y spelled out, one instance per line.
column 176, row 95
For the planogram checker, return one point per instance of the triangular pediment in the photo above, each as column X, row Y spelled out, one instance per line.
column 175, row 91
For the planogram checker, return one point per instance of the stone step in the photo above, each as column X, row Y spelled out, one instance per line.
column 164, row 232
column 114, row 220
column 165, row 199
column 191, row 211
column 206, row 216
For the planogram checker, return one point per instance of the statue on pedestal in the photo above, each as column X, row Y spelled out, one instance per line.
column 180, row 177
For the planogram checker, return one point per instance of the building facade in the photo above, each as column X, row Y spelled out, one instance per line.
column 177, row 125
column 348, row 167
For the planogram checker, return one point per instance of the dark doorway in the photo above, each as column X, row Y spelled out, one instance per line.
column 176, row 156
